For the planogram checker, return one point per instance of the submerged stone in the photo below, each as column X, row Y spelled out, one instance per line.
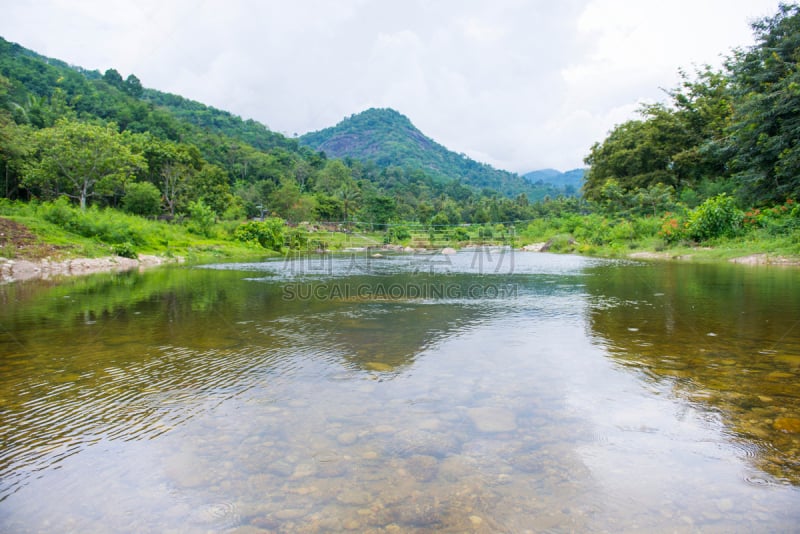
column 491, row 419
column 378, row 366
column 787, row 424
column 347, row 438
column 423, row 468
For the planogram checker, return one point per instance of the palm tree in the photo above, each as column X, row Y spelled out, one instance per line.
column 348, row 194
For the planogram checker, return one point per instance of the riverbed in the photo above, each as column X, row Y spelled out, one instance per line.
column 487, row 391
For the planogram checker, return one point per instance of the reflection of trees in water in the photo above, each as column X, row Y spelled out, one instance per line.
column 725, row 337
column 132, row 356
column 121, row 356
column 382, row 323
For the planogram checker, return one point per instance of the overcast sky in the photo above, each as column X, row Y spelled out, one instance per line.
column 519, row 84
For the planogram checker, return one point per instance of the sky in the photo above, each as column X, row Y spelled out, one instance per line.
column 519, row 84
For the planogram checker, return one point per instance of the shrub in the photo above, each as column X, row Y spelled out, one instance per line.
column 672, row 228
column 460, row 234
column 560, row 243
column 107, row 225
column 401, row 233
column 777, row 220
column 125, row 250
column 297, row 238
column 59, row 212
column 716, row 217
column 142, row 198
column 267, row 233
column 202, row 218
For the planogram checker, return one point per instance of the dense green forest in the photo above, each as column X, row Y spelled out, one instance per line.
column 733, row 131
column 389, row 139
column 718, row 159
column 153, row 153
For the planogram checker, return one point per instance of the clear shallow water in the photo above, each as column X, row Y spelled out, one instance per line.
column 478, row 392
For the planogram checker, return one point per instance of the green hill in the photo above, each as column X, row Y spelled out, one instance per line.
column 170, row 153
column 570, row 181
column 388, row 138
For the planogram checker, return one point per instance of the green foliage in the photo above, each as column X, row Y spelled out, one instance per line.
column 389, row 139
column 201, row 218
column 104, row 225
column 142, row 198
column 734, row 131
column 402, row 233
column 81, row 160
column 561, row 243
column 765, row 131
column 210, row 185
column 716, row 217
column 673, row 228
column 125, row 250
column 460, row 234
column 380, row 209
column 396, row 234
column 297, row 238
column 268, row 233
column 779, row 220
column 329, row 208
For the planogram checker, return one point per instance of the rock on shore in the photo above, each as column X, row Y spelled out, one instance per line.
column 18, row 270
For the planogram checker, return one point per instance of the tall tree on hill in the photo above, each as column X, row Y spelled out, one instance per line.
column 81, row 160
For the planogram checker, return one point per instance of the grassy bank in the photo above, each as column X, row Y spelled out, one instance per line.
column 59, row 231
column 775, row 233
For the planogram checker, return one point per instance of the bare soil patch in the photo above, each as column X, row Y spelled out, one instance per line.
column 17, row 241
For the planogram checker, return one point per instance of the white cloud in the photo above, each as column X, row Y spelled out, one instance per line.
column 521, row 84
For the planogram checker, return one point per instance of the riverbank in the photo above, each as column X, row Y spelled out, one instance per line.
column 21, row 270
column 749, row 259
column 31, row 248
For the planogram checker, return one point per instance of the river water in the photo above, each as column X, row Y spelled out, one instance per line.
column 488, row 391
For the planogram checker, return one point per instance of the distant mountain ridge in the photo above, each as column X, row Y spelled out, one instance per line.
column 569, row 181
column 388, row 138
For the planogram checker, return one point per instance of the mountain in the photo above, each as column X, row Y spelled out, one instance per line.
column 388, row 138
column 240, row 167
column 570, row 181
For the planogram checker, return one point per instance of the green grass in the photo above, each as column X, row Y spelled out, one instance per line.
column 64, row 232
column 596, row 235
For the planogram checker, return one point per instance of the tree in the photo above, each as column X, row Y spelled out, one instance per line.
column 142, row 198
column 637, row 153
column 15, row 147
column 113, row 77
column 765, row 133
column 678, row 144
column 329, row 208
column 81, row 160
column 211, row 186
column 201, row 218
column 380, row 209
column 282, row 199
column 170, row 166
column 133, row 86
column 334, row 176
column 348, row 194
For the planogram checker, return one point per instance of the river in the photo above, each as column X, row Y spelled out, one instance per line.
column 486, row 391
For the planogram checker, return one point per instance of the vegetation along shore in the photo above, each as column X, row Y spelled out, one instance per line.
column 94, row 165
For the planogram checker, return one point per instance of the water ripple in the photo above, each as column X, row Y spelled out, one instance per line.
column 139, row 402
